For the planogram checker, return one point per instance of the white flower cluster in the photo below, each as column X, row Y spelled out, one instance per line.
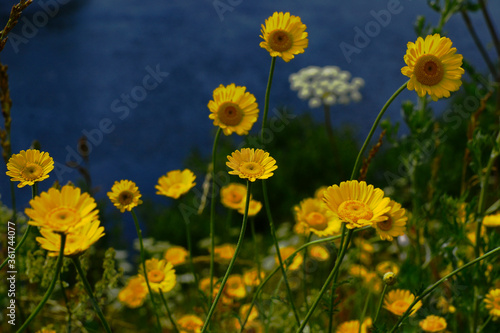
column 326, row 86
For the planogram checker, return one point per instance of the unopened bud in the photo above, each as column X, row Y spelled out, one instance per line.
column 389, row 278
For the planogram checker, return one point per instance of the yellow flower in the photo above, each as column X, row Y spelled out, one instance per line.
column 445, row 306
column 235, row 288
column 492, row 220
column 433, row 323
column 77, row 241
column 492, row 302
column 320, row 192
column 358, row 271
column 190, row 324
column 386, row 267
column 319, row 252
column 125, row 195
column 29, row 166
column 205, row 286
column 176, row 183
column 161, row 275
column 62, row 210
column 284, row 36
column 134, row 293
column 233, row 109
column 287, row 252
column 224, row 251
column 395, row 224
column 253, row 208
column 357, row 203
column 176, row 255
column 233, row 195
column 353, row 326
column 315, row 217
column 399, row 300
column 244, row 312
column 251, row 277
column 433, row 67
column 251, row 164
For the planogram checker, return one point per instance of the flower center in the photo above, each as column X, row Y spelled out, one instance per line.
column 156, row 276
column 385, row 225
column 400, row 306
column 32, row 171
column 251, row 169
column 280, row 40
column 230, row 114
column 125, row 198
column 63, row 216
column 316, row 220
column 354, row 210
column 429, row 70
column 235, row 197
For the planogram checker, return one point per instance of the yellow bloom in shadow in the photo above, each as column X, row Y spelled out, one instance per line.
column 492, row 302
column 492, row 221
column 433, row 324
column 287, row 252
column 251, row 164
column 314, row 216
column 161, row 275
column 29, row 166
column 235, row 288
column 251, row 277
column 125, row 195
column 189, row 324
column 176, row 255
column 399, row 300
column 233, row 195
column 254, row 207
column 352, row 326
column 134, row 293
column 175, row 183
column 395, row 225
column 224, row 251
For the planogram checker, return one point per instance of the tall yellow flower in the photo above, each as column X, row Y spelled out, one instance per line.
column 433, row 67
column 251, row 164
column 395, row 225
column 77, row 241
column 399, row 300
column 62, row 210
column 284, row 36
column 492, row 302
column 176, row 255
column 314, row 216
column 125, row 195
column 161, row 275
column 357, row 203
column 434, row 324
column 175, row 183
column 134, row 293
column 233, row 195
column 233, row 109
column 190, row 324
column 29, row 166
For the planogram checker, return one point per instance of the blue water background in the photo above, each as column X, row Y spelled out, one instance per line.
column 66, row 74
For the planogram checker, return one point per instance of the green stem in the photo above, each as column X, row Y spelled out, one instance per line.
column 168, row 311
column 304, row 272
column 212, row 215
column 233, row 259
column 266, row 101
column 380, row 303
column 374, row 127
column 143, row 259
column 190, row 250
column 485, row 324
column 332, row 292
column 66, row 302
column 88, row 289
column 278, row 254
column 327, row 282
column 51, row 286
column 365, row 308
column 430, row 289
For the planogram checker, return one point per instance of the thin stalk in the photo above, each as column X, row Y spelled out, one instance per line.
column 168, row 311
column 327, row 282
column 278, row 254
column 233, row 260
column 363, row 313
column 332, row 298
column 143, row 260
column 304, row 272
column 51, row 286
column 380, row 303
column 88, row 289
column 485, row 324
column 212, row 215
column 266, row 101
column 66, row 302
column 430, row 289
column 374, row 127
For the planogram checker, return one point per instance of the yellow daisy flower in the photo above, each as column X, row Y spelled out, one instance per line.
column 253, row 208
column 395, row 225
column 492, row 220
column 233, row 109
column 357, row 203
column 251, row 277
column 77, row 241
column 125, row 195
column 319, row 252
column 433, row 67
column 225, row 251
column 244, row 312
column 315, row 217
column 352, row 326
column 233, row 195
column 176, row 255
column 251, row 164
column 398, row 301
column 134, row 293
column 161, row 275
column 284, row 36
column 287, row 252
column 492, row 302
column 175, row 183
column 189, row 324
column 433, row 323
column 62, row 210
column 235, row 288
column 29, row 166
